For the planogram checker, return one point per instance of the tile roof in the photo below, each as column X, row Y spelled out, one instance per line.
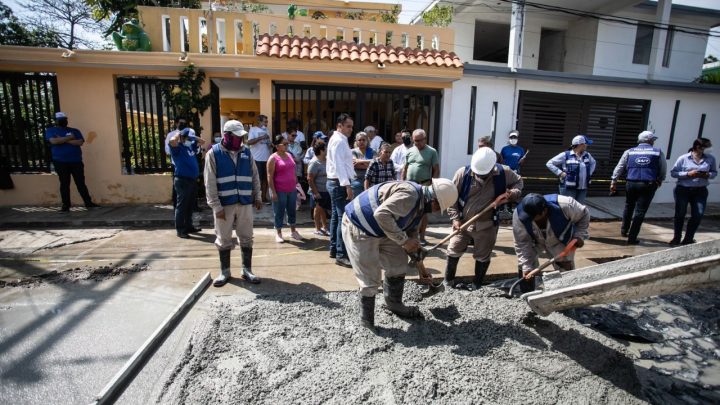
column 283, row 46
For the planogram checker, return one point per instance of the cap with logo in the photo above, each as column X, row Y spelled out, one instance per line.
column 581, row 139
column 235, row 127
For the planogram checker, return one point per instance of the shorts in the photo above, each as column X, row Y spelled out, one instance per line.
column 262, row 170
column 323, row 201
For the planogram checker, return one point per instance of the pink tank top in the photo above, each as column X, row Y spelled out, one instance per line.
column 284, row 177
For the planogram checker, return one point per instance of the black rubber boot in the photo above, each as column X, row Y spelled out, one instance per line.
column 450, row 270
column 367, row 312
column 247, row 266
column 393, row 291
column 224, row 276
column 481, row 269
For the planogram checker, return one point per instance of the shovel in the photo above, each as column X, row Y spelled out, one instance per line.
column 568, row 249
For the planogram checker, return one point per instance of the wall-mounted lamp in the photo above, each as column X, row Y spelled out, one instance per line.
column 183, row 57
column 380, row 65
column 68, row 53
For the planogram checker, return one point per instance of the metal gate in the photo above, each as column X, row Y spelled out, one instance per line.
column 145, row 120
column 28, row 102
column 389, row 110
column 548, row 122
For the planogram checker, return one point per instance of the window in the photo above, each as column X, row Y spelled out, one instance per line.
column 166, row 33
column 203, row 35
column 492, row 42
column 668, row 46
column 643, row 44
column 220, row 34
column 184, row 29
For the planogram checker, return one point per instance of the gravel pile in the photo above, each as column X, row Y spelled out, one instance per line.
column 472, row 348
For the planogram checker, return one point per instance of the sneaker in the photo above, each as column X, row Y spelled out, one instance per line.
column 344, row 262
column 295, row 235
column 318, row 233
column 325, row 232
column 279, row 239
column 423, row 242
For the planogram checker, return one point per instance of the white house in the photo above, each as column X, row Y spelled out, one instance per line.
column 604, row 68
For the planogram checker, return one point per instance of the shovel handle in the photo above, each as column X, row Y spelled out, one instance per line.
column 568, row 249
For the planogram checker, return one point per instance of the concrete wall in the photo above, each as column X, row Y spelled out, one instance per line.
column 580, row 40
column 505, row 91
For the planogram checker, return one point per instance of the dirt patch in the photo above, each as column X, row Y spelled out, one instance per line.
column 75, row 275
column 472, row 348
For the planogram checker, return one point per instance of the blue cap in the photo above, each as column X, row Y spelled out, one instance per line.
column 320, row 134
column 533, row 204
column 581, row 139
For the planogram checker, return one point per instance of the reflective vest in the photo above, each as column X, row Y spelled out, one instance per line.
column 643, row 163
column 361, row 210
column 571, row 167
column 560, row 225
column 498, row 180
column 234, row 180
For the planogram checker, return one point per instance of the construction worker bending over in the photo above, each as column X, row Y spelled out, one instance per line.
column 479, row 184
column 232, row 186
column 379, row 227
column 547, row 223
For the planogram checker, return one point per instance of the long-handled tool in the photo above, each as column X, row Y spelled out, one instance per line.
column 568, row 249
column 418, row 257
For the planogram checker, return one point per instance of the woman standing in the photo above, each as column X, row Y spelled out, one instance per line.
column 282, row 181
column 317, row 179
column 362, row 157
column 574, row 167
column 693, row 170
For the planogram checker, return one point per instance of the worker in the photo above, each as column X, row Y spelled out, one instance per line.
column 574, row 168
column 379, row 229
column 479, row 184
column 644, row 168
column 547, row 223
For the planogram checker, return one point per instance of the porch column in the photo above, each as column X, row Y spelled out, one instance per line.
column 266, row 101
column 662, row 17
column 517, row 19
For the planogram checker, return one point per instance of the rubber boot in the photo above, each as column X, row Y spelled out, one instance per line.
column 224, row 276
column 481, row 269
column 367, row 312
column 393, row 291
column 247, row 266
column 450, row 270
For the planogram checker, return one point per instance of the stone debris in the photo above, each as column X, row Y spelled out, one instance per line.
column 78, row 274
column 474, row 347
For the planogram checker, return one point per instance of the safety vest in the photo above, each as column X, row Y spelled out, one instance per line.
column 643, row 163
column 498, row 180
column 560, row 225
column 234, row 180
column 571, row 167
column 361, row 210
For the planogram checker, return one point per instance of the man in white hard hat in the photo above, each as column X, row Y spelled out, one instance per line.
column 232, row 186
column 478, row 184
column 379, row 229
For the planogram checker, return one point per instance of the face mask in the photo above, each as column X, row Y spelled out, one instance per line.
column 188, row 143
column 232, row 142
column 63, row 122
column 407, row 141
column 218, row 139
column 513, row 142
column 182, row 125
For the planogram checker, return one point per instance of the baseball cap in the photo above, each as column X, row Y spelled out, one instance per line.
column 235, row 127
column 581, row 139
column 533, row 204
column 513, row 134
column 646, row 136
column 59, row 115
column 369, row 128
column 320, row 134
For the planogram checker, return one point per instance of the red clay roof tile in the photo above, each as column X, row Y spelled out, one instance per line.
column 283, row 46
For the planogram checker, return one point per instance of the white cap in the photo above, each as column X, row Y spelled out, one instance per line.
column 369, row 128
column 483, row 161
column 59, row 115
column 581, row 139
column 236, row 127
column 646, row 136
column 514, row 133
column 445, row 193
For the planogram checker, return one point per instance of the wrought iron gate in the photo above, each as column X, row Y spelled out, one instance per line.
column 388, row 110
column 28, row 102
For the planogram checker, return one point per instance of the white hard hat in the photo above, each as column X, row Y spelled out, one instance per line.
column 483, row 161
column 445, row 192
column 235, row 127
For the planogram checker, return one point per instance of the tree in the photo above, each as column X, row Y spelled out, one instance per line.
column 72, row 20
column 186, row 97
column 392, row 16
column 116, row 11
column 14, row 32
column 439, row 16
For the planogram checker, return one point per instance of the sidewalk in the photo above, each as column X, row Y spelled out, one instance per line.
column 161, row 215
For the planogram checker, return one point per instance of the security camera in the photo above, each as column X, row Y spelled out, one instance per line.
column 380, row 65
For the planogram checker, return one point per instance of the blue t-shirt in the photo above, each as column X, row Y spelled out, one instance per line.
column 64, row 152
column 511, row 156
column 184, row 159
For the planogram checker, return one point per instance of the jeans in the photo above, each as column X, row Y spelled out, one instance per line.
column 358, row 186
column 638, row 199
column 77, row 171
column 285, row 203
column 186, row 190
column 697, row 197
column 338, row 199
column 576, row 193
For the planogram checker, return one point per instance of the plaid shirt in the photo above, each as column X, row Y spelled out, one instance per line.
column 379, row 172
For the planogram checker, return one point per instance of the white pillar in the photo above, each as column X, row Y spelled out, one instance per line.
column 517, row 19
column 662, row 17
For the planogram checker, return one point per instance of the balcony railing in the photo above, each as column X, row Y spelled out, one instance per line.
column 234, row 33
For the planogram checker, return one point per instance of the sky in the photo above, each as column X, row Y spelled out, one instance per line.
column 410, row 8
